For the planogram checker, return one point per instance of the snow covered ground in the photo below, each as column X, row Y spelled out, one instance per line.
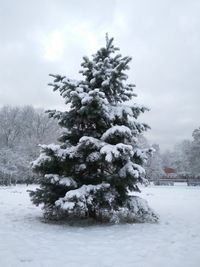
column 173, row 242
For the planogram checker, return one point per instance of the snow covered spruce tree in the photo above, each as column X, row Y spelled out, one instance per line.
column 98, row 163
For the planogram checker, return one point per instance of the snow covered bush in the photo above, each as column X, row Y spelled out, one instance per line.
column 98, row 163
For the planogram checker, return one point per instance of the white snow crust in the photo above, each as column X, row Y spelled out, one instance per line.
column 25, row 241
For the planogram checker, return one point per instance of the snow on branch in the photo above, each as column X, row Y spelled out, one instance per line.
column 132, row 170
column 62, row 180
column 80, row 198
column 113, row 152
column 120, row 130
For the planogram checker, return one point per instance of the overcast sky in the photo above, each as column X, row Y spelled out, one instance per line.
column 39, row 37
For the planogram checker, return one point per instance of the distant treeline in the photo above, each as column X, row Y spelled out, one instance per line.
column 21, row 130
column 184, row 159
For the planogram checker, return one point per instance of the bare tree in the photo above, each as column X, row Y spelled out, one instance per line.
column 21, row 130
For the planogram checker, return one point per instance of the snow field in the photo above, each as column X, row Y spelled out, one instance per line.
column 174, row 242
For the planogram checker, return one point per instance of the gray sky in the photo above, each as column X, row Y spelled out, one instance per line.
column 39, row 37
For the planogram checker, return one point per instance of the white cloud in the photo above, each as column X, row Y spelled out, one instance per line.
column 54, row 46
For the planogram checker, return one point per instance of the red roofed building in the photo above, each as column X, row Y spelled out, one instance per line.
column 170, row 172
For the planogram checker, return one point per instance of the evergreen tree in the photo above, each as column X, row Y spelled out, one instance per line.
column 90, row 174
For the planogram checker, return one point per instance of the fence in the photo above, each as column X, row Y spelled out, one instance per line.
column 171, row 181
